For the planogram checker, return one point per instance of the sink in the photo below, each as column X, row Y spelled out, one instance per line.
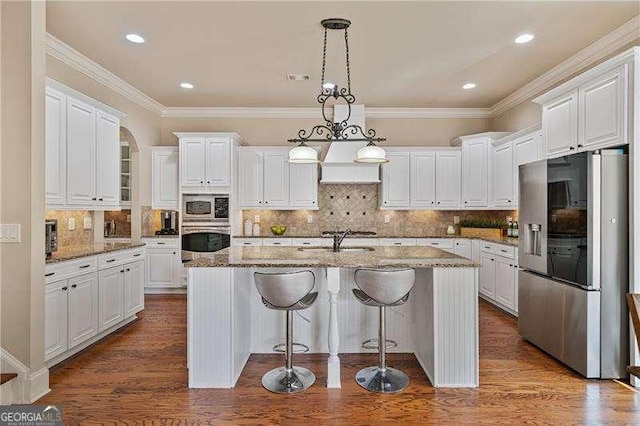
column 342, row 249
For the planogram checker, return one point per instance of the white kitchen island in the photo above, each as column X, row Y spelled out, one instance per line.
column 227, row 321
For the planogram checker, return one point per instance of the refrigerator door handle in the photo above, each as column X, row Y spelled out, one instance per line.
column 595, row 210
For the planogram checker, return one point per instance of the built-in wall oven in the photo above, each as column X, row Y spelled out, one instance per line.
column 205, row 208
column 200, row 240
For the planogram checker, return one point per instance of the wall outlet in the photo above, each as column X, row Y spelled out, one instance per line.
column 128, row 218
column 456, row 220
column 256, row 218
column 10, row 233
column 309, row 219
column 71, row 224
column 387, row 218
column 87, row 223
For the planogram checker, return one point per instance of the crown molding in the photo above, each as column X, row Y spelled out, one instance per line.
column 624, row 34
column 65, row 53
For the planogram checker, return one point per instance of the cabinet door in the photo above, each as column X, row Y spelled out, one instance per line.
column 83, row 308
column 55, row 146
column 162, row 269
column 560, row 125
column 250, row 178
column 395, row 180
column 133, row 288
column 475, row 173
column 525, row 150
column 448, row 178
column 276, row 179
column 110, row 297
column 303, row 185
column 503, row 175
column 604, row 110
column 505, row 286
column 487, row 275
column 463, row 248
column 55, row 319
column 422, row 180
column 107, row 160
column 164, row 183
column 192, row 161
column 218, row 162
column 81, row 153
column 515, row 287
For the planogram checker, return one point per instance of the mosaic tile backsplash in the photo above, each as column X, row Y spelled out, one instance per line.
column 79, row 236
column 356, row 207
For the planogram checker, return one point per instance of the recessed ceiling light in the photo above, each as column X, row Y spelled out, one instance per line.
column 134, row 38
column 524, row 38
column 298, row 77
column 469, row 86
column 186, row 85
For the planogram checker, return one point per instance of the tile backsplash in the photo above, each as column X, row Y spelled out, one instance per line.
column 151, row 221
column 122, row 220
column 78, row 236
column 356, row 207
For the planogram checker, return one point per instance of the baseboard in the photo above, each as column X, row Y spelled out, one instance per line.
column 38, row 385
column 424, row 368
column 165, row 290
column 239, row 372
column 15, row 391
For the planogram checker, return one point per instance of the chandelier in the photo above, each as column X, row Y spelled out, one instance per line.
column 336, row 131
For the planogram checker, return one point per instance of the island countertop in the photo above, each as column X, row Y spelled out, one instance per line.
column 509, row 241
column 379, row 257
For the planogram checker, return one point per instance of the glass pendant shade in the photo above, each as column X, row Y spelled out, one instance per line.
column 303, row 154
column 371, row 154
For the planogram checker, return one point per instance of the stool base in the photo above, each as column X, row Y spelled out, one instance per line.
column 276, row 380
column 374, row 380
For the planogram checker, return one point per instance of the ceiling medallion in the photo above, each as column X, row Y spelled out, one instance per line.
column 339, row 131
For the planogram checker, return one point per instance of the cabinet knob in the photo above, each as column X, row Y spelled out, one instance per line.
column 99, row 199
column 465, row 202
column 313, row 202
column 130, row 269
column 208, row 182
column 201, row 181
column 74, row 286
column 122, row 272
column 173, row 253
column 64, row 288
column 438, row 202
column 580, row 145
column 266, row 202
column 572, row 147
column 93, row 199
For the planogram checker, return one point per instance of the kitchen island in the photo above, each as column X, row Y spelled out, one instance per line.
column 227, row 321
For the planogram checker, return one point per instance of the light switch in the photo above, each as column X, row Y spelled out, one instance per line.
column 309, row 219
column 256, row 218
column 72, row 224
column 456, row 220
column 87, row 223
column 10, row 233
column 387, row 218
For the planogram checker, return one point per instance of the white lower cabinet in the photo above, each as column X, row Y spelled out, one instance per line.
column 111, row 297
column 487, row 275
column 505, row 282
column 463, row 248
column 499, row 276
column 55, row 318
column 83, row 308
column 162, row 267
column 134, row 288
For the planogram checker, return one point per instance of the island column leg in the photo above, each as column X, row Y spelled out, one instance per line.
column 333, row 363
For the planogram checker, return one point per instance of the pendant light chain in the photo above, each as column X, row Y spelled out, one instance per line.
column 324, row 59
column 346, row 42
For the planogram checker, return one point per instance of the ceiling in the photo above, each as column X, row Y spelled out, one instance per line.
column 403, row 54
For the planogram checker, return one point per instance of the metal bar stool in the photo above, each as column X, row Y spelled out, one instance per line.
column 289, row 291
column 382, row 288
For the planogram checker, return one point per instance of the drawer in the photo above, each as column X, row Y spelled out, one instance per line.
column 247, row 242
column 359, row 242
column 161, row 242
column 441, row 243
column 116, row 258
column 390, row 242
column 498, row 249
column 70, row 268
column 276, row 242
column 308, row 242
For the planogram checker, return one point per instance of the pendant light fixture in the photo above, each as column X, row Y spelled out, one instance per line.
column 339, row 131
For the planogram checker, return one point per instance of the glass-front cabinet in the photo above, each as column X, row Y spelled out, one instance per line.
column 125, row 174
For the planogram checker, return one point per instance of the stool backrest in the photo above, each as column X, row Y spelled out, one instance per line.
column 385, row 286
column 286, row 288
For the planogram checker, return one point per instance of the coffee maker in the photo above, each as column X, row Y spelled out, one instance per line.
column 168, row 221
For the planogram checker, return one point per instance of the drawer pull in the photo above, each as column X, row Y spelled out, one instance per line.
column 110, row 260
column 435, row 244
column 487, row 247
column 50, row 274
column 276, row 244
column 397, row 244
column 84, row 266
column 306, row 244
column 246, row 244
column 137, row 255
column 161, row 244
column 504, row 251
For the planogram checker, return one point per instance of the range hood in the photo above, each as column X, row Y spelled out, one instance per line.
column 338, row 165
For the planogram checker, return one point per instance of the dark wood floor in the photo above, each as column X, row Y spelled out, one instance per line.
column 140, row 374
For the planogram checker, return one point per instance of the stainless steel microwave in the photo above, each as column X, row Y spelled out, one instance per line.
column 205, row 208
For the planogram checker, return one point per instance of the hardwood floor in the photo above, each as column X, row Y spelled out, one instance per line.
column 139, row 374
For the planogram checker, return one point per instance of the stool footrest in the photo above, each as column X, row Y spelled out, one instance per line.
column 373, row 344
column 281, row 347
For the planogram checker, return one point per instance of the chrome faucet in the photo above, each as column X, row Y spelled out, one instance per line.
column 337, row 239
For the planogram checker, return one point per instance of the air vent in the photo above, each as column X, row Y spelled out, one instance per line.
column 298, row 77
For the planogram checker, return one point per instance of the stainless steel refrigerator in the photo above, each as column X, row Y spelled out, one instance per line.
column 573, row 254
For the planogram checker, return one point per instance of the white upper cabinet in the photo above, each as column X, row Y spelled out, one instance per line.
column 395, row 180
column 107, row 160
column 422, row 179
column 560, row 124
column 303, row 186
column 164, row 180
column 205, row 159
column 81, row 153
column 276, row 178
column 526, row 149
column 503, row 176
column 250, row 177
column 56, row 143
column 603, row 110
column 475, row 172
column 590, row 111
column 448, row 178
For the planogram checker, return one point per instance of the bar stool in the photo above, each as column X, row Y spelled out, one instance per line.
column 289, row 291
column 382, row 288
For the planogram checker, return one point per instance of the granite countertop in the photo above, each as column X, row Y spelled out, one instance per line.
column 500, row 240
column 76, row 252
column 321, row 257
